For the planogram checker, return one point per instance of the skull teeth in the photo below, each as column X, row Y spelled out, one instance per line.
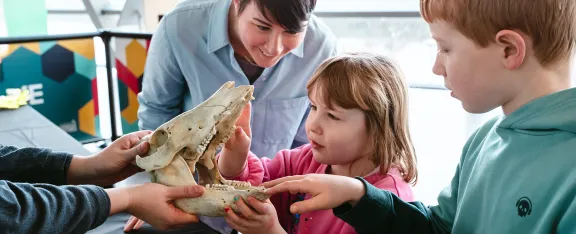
column 202, row 146
column 220, row 187
column 228, row 185
column 238, row 184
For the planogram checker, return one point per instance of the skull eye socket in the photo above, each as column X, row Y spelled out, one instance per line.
column 159, row 138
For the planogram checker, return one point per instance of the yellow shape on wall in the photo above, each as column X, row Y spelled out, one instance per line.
column 135, row 58
column 32, row 46
column 130, row 113
column 86, row 118
column 84, row 47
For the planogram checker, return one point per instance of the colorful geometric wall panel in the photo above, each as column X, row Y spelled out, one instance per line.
column 84, row 66
column 130, row 59
column 58, row 63
column 136, row 58
column 45, row 46
column 79, row 47
column 61, row 80
column 32, row 46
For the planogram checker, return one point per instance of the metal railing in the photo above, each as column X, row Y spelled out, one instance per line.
column 106, row 37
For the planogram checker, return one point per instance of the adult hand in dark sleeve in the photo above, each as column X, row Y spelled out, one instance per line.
column 112, row 164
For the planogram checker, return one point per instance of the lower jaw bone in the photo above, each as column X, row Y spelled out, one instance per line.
column 216, row 196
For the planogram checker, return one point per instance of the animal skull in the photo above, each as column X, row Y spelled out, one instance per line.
column 189, row 141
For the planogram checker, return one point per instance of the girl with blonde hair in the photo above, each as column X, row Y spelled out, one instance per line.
column 357, row 126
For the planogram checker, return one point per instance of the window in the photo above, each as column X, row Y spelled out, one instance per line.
column 406, row 40
column 69, row 24
column 3, row 29
column 368, row 6
column 65, row 4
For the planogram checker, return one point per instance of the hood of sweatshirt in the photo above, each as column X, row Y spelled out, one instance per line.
column 544, row 115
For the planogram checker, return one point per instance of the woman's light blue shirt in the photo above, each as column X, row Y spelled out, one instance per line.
column 190, row 57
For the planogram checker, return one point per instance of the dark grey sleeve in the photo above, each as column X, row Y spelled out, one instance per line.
column 35, row 206
column 33, row 165
column 45, row 208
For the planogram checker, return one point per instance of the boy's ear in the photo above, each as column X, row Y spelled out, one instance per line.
column 513, row 48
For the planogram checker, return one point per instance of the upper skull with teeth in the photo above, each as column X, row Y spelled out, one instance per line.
column 190, row 141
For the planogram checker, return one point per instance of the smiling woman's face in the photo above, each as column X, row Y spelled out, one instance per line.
column 265, row 42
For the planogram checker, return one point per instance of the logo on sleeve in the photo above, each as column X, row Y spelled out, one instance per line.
column 524, row 206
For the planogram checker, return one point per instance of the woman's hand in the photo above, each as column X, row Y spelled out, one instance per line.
column 112, row 164
column 257, row 217
column 152, row 203
column 327, row 191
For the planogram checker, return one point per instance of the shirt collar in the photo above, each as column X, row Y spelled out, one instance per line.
column 218, row 29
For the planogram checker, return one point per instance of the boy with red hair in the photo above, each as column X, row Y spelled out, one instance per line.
column 517, row 171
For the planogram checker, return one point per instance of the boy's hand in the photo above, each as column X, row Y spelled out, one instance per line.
column 261, row 218
column 152, row 203
column 233, row 157
column 110, row 165
column 327, row 191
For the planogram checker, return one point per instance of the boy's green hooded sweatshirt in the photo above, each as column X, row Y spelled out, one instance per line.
column 517, row 174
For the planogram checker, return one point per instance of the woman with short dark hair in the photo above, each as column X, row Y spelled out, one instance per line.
column 274, row 45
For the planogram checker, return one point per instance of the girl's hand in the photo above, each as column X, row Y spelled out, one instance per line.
column 232, row 159
column 240, row 140
column 257, row 217
column 327, row 191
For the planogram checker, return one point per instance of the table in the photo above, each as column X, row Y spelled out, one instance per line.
column 115, row 224
column 26, row 127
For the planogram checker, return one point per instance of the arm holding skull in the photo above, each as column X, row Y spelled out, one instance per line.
column 33, row 201
column 37, row 197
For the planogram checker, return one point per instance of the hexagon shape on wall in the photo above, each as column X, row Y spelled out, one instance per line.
column 58, row 63
column 135, row 58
